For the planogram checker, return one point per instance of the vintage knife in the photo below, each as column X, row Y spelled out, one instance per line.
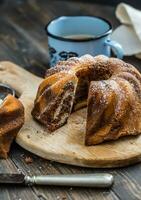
column 99, row 180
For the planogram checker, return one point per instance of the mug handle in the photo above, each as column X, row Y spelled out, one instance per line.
column 116, row 47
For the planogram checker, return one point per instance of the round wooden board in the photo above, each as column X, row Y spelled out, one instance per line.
column 66, row 145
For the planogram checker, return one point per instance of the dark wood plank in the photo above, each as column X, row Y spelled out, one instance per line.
column 129, row 187
column 14, row 192
column 20, row 49
column 43, row 167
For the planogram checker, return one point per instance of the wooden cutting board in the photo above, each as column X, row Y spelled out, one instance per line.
column 66, row 145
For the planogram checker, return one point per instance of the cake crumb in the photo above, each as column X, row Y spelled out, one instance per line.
column 28, row 160
column 63, row 198
column 131, row 142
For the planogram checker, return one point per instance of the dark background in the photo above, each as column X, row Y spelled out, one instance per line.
column 135, row 3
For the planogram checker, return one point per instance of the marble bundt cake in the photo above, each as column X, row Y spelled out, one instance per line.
column 11, row 120
column 109, row 87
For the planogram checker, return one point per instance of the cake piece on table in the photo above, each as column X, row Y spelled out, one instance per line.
column 11, row 120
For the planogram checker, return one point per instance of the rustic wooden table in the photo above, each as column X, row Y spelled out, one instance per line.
column 23, row 41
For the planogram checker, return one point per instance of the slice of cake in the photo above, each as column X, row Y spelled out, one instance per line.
column 54, row 100
column 11, row 120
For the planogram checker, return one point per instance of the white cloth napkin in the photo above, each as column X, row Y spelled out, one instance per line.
column 129, row 33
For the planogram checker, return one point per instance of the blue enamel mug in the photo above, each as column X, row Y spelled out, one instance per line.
column 70, row 36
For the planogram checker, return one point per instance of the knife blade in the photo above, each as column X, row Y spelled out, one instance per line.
column 100, row 180
column 12, row 178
